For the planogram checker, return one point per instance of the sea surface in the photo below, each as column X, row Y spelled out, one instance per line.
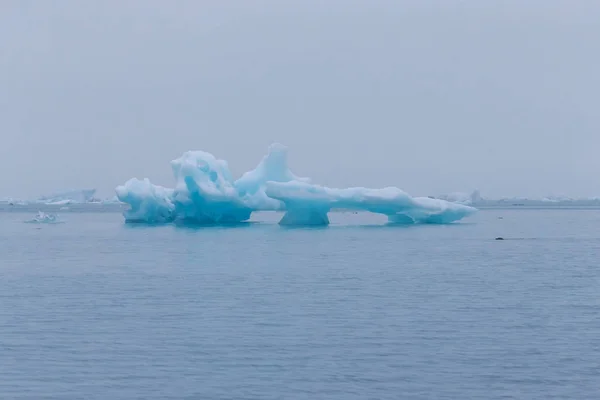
column 93, row 308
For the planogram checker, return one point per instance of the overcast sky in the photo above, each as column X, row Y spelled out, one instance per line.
column 430, row 96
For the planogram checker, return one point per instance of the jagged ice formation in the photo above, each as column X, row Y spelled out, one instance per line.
column 206, row 193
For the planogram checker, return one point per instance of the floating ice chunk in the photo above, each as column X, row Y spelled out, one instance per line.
column 43, row 218
column 60, row 202
column 431, row 211
column 72, row 196
column 272, row 168
column 306, row 203
column 205, row 192
column 148, row 203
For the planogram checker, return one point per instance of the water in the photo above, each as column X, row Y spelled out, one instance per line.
column 94, row 309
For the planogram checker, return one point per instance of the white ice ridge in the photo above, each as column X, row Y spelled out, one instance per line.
column 70, row 196
column 206, row 193
column 309, row 204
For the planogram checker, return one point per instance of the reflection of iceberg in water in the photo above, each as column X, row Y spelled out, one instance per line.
column 43, row 218
column 206, row 193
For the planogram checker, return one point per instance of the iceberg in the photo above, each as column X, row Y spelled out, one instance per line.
column 43, row 218
column 272, row 168
column 308, row 204
column 543, row 202
column 206, row 193
column 68, row 197
column 147, row 202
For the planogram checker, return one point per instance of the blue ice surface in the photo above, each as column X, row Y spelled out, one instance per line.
column 206, row 193
column 308, row 204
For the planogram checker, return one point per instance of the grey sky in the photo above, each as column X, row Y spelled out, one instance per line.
column 429, row 96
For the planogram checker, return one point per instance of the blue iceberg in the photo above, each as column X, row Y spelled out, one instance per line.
column 147, row 202
column 206, row 193
column 308, row 204
column 272, row 168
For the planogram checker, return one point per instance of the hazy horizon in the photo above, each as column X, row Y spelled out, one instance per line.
column 430, row 97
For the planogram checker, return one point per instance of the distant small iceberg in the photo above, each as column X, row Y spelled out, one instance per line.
column 60, row 203
column 476, row 200
column 69, row 197
column 12, row 202
column 44, row 218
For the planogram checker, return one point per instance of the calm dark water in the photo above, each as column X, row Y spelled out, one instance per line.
column 95, row 309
